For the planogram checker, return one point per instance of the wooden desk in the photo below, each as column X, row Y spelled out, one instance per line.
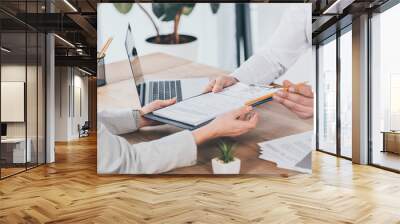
column 275, row 120
column 391, row 141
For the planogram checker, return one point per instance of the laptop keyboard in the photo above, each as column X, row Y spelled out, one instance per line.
column 164, row 90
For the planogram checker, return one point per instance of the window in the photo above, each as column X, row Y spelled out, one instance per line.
column 327, row 96
column 394, row 101
column 15, row 154
column 385, row 89
column 334, row 138
column 22, row 75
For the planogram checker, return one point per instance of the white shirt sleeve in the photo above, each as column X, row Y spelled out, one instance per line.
column 116, row 155
column 119, row 122
column 290, row 40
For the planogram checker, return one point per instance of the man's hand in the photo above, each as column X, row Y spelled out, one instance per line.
column 297, row 98
column 155, row 105
column 231, row 124
column 217, row 84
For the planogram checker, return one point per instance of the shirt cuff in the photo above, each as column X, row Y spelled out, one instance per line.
column 120, row 121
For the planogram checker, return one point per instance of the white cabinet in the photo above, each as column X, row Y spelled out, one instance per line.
column 15, row 148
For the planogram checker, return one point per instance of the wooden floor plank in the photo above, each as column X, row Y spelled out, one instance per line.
column 70, row 191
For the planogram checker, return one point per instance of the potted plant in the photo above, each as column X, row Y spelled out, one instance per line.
column 226, row 163
column 174, row 43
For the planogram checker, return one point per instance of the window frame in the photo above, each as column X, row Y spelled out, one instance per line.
column 381, row 9
column 27, row 29
column 334, row 37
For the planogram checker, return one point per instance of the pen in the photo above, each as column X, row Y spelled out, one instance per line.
column 278, row 86
column 269, row 95
column 261, row 98
column 104, row 48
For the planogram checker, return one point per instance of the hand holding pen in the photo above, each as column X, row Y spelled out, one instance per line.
column 298, row 98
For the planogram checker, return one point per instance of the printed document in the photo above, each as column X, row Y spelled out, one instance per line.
column 290, row 152
column 202, row 108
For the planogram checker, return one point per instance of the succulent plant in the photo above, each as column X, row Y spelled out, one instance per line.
column 226, row 150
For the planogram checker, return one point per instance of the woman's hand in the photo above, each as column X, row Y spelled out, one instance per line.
column 297, row 98
column 230, row 124
column 153, row 106
column 217, row 84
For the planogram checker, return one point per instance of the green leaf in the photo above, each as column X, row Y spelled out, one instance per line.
column 123, row 8
column 188, row 8
column 171, row 10
column 226, row 150
column 158, row 9
column 167, row 11
column 214, row 7
column 169, row 15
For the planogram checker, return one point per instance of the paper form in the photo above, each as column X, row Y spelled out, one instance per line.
column 202, row 108
column 289, row 152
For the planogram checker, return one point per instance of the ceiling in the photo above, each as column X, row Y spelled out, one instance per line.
column 75, row 21
column 72, row 20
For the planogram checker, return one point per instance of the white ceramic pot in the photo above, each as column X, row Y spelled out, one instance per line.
column 186, row 50
column 219, row 167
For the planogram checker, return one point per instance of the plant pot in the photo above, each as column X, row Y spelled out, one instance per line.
column 187, row 48
column 219, row 167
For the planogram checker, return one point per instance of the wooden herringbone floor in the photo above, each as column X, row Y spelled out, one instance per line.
column 70, row 191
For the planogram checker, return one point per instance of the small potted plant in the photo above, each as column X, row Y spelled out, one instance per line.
column 226, row 163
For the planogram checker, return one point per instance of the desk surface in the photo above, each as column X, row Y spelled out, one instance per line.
column 275, row 120
column 391, row 132
column 13, row 140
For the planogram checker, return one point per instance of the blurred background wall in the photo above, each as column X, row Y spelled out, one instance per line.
column 216, row 34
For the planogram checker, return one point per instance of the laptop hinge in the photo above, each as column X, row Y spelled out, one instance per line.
column 142, row 93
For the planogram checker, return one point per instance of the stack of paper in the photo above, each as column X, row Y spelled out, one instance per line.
column 291, row 152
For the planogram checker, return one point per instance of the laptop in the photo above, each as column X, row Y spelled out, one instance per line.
column 193, row 108
column 157, row 89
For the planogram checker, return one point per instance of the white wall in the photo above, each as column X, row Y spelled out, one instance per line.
column 265, row 19
column 79, row 118
column 61, row 103
column 66, row 119
column 216, row 34
column 15, row 72
column 82, row 82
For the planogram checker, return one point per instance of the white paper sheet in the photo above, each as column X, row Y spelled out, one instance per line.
column 199, row 109
column 288, row 152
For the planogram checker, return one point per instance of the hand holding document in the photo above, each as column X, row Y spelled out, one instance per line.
column 200, row 109
column 291, row 152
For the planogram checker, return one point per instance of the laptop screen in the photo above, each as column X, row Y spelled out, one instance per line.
column 133, row 57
